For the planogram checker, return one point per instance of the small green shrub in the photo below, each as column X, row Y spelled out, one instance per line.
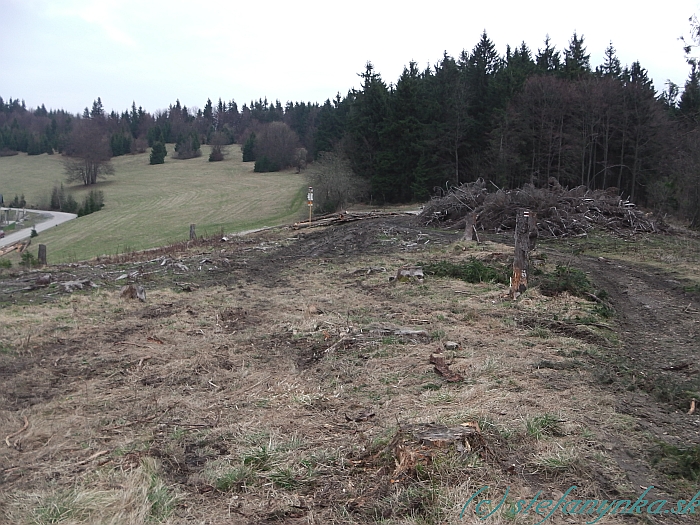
column 683, row 462
column 28, row 260
column 265, row 165
column 565, row 279
column 471, row 271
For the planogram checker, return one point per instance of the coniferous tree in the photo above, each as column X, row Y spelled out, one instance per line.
column 188, row 147
column 158, row 153
column 249, row 149
column 401, row 135
column 364, row 125
column 576, row 61
column 611, row 66
column 483, row 66
column 331, row 124
column 689, row 104
column 548, row 60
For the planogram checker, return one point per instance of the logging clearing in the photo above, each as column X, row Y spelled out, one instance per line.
column 349, row 371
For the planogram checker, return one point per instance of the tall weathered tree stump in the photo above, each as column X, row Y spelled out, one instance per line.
column 525, row 240
column 470, row 227
column 42, row 254
column 193, row 235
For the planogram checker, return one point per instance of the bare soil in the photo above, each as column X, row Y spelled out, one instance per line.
column 280, row 377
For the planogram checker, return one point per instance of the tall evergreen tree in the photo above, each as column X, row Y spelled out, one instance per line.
column 158, row 153
column 482, row 67
column 611, row 65
column 576, row 61
column 689, row 104
column 548, row 60
column 365, row 121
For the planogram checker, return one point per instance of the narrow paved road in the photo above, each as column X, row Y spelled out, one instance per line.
column 55, row 218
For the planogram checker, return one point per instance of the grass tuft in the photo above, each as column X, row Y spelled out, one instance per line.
column 539, row 426
column 235, row 479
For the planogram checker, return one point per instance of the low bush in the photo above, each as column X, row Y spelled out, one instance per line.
column 471, row 271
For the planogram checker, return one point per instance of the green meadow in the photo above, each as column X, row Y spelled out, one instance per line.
column 148, row 206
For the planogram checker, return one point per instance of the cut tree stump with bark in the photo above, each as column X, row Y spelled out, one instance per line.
column 525, row 239
column 470, row 233
column 442, row 368
column 409, row 273
column 133, row 291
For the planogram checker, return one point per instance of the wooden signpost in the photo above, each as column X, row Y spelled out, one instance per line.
column 310, row 200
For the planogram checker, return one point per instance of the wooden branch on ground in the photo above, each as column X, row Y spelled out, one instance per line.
column 26, row 425
column 94, row 456
column 335, row 345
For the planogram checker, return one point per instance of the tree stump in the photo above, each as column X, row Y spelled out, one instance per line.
column 525, row 239
column 470, row 227
column 42, row 254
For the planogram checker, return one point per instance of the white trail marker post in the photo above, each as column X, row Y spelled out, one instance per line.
column 310, row 199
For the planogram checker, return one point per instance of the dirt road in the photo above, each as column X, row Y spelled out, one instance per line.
column 53, row 218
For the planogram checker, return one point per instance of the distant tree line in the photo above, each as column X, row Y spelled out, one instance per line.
column 522, row 117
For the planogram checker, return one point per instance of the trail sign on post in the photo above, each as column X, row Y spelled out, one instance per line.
column 310, row 199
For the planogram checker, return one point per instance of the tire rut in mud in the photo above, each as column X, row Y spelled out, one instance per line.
column 655, row 370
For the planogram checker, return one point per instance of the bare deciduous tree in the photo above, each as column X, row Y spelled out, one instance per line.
column 335, row 185
column 300, row 159
column 275, row 146
column 88, row 153
column 218, row 142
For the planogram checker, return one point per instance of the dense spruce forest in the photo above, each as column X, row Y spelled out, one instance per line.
column 524, row 117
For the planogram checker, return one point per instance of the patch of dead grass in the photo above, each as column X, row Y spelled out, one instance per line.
column 255, row 419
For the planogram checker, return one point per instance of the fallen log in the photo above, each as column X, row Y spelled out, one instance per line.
column 341, row 218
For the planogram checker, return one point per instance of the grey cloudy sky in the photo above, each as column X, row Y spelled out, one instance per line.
column 67, row 53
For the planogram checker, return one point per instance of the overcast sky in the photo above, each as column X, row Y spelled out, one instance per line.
column 66, row 53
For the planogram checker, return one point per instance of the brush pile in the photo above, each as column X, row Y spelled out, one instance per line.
column 561, row 212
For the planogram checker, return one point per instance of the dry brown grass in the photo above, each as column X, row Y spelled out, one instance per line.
column 228, row 404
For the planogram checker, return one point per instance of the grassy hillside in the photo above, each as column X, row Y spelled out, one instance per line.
column 147, row 206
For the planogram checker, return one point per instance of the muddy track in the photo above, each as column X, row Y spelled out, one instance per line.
column 655, row 370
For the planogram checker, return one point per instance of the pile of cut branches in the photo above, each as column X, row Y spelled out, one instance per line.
column 561, row 212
